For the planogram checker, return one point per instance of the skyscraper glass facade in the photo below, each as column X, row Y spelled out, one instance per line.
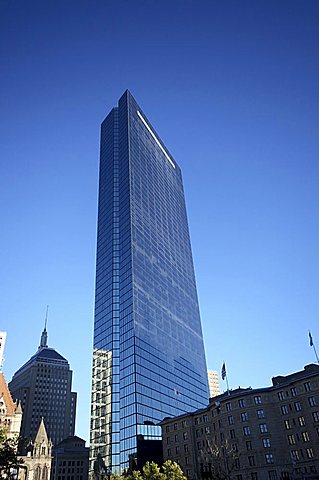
column 148, row 360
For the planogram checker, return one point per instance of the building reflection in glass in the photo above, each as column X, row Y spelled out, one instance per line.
column 101, row 411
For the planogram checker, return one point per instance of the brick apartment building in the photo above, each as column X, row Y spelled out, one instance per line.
column 251, row 434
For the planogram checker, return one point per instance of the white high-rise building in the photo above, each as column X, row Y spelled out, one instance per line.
column 213, row 383
column 3, row 336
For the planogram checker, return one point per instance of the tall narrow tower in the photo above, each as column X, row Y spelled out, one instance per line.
column 148, row 357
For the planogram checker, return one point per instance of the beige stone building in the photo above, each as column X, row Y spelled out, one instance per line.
column 10, row 412
column 251, row 434
column 36, row 464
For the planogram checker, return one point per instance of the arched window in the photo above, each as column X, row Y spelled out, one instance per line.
column 37, row 473
column 45, row 473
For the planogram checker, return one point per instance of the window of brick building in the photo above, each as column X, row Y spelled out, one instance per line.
column 305, row 436
column 309, row 452
column 244, row 417
column 269, row 458
column 312, row 401
column 272, row 475
column 287, row 424
column 301, row 421
column 291, row 439
column 315, row 416
column 295, row 455
column 266, row 443
column 307, row 386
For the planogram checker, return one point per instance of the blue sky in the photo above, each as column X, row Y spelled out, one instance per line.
column 232, row 89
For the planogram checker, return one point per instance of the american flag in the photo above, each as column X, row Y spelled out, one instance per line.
column 224, row 371
column 310, row 339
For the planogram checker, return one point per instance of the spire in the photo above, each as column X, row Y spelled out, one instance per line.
column 42, row 444
column 44, row 335
column 18, row 408
column 41, row 435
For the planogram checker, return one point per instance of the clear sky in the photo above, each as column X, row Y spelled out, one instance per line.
column 232, row 89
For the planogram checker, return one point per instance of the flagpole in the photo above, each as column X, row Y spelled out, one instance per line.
column 314, row 349
column 224, row 375
column 227, row 384
column 312, row 344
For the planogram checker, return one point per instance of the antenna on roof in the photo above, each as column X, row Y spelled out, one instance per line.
column 44, row 335
column 46, row 318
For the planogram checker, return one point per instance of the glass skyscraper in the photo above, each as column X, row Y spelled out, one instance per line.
column 148, row 357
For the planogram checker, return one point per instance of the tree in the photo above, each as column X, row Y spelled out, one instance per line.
column 9, row 461
column 172, row 471
column 115, row 476
column 151, row 471
column 218, row 461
